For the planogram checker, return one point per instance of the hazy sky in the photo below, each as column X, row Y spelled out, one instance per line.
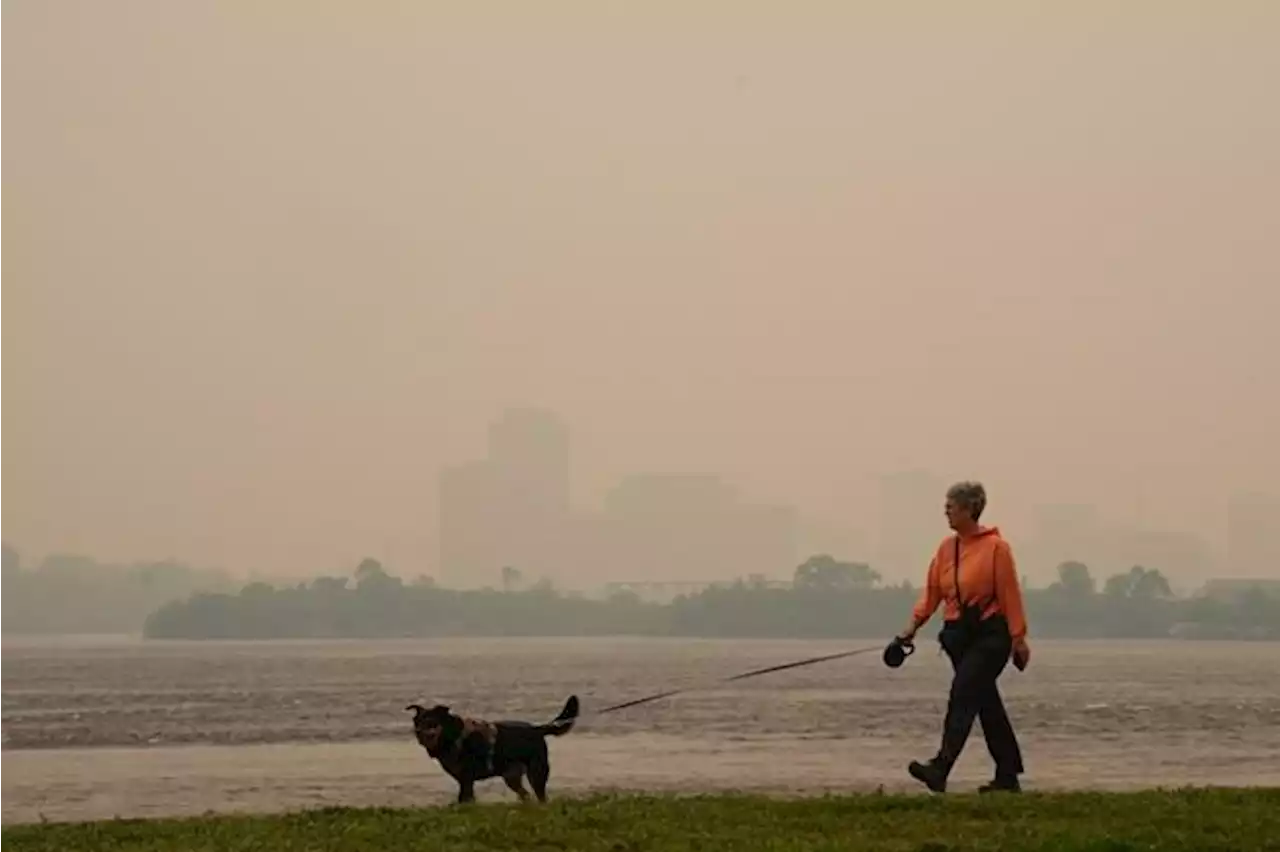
column 267, row 266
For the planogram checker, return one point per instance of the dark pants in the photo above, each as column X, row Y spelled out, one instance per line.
column 978, row 662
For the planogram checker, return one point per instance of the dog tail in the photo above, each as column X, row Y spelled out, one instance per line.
column 562, row 724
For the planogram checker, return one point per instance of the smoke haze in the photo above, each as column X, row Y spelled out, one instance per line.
column 271, row 269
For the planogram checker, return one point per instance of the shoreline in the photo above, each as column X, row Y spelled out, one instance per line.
column 1182, row 819
column 81, row 784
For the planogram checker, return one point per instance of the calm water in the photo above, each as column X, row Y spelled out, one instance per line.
column 117, row 727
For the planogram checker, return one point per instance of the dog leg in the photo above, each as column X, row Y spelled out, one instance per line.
column 466, row 790
column 515, row 780
column 539, row 774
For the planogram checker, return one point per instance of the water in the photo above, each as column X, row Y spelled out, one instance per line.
column 101, row 728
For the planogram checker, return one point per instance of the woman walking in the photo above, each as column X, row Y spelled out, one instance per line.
column 984, row 624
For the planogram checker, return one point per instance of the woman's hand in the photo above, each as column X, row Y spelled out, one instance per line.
column 1021, row 654
column 910, row 633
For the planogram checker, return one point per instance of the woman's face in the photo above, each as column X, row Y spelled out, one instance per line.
column 957, row 514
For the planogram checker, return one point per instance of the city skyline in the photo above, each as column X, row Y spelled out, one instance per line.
column 908, row 526
column 254, row 304
column 896, row 539
column 514, row 509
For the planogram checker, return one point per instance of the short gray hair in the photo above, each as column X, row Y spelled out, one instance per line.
column 971, row 495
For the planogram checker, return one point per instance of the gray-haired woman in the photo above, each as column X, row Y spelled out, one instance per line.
column 984, row 624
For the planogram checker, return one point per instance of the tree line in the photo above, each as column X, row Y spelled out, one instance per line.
column 66, row 593
column 827, row 598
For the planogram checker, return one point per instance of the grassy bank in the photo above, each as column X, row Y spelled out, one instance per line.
column 1203, row 821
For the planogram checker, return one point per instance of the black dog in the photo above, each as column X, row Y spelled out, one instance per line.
column 472, row 750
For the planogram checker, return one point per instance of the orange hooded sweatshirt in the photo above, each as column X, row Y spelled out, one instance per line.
column 987, row 576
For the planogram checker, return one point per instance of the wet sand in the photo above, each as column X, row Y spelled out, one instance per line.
column 120, row 728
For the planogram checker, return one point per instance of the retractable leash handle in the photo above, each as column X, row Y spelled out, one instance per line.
column 897, row 651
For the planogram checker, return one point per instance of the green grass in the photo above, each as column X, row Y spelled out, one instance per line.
column 1199, row 820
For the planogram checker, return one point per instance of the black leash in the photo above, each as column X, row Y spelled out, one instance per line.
column 754, row 673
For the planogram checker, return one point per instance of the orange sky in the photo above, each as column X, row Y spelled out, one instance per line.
column 266, row 270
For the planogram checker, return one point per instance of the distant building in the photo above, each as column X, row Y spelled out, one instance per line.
column 1229, row 589
column 529, row 453
column 511, row 508
column 667, row 528
column 1253, row 549
column 844, row 540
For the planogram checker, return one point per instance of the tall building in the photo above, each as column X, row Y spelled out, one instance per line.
column 692, row 527
column 512, row 508
column 529, row 451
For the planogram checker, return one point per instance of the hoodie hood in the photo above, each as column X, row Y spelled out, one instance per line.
column 982, row 532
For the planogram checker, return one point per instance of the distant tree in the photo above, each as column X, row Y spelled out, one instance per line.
column 257, row 589
column 373, row 581
column 1075, row 579
column 625, row 597
column 826, row 573
column 329, row 585
column 831, row 599
column 1152, row 585
column 1256, row 608
column 1139, row 583
column 369, row 571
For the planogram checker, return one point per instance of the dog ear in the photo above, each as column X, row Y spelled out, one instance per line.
column 417, row 709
